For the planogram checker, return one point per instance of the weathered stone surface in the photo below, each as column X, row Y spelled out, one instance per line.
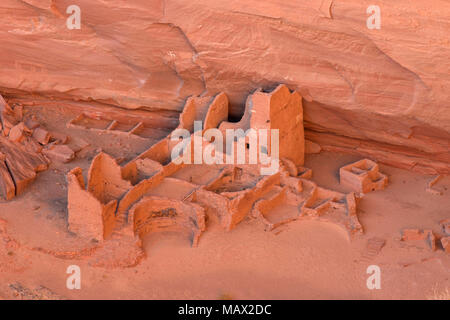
column 16, row 134
column 426, row 236
column 445, row 224
column 77, row 144
column 84, row 210
column 446, row 244
column 7, row 188
column 105, row 180
column 88, row 217
column 61, row 153
column 22, row 163
column 371, row 85
column 7, row 120
column 32, row 123
column 373, row 248
column 264, row 206
column 283, row 111
column 155, row 214
column 240, row 189
column 217, row 112
column 312, row 147
column 59, row 138
column 154, row 194
column 296, row 198
column 363, row 176
column 92, row 211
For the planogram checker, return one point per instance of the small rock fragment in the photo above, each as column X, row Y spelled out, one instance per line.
column 61, row 153
column 445, row 224
column 325, row 9
column 16, row 133
column 59, row 138
column 39, row 293
column 32, row 124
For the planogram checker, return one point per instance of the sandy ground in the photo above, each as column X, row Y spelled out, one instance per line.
column 300, row 260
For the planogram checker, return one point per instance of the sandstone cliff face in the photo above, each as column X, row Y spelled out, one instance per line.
column 377, row 92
